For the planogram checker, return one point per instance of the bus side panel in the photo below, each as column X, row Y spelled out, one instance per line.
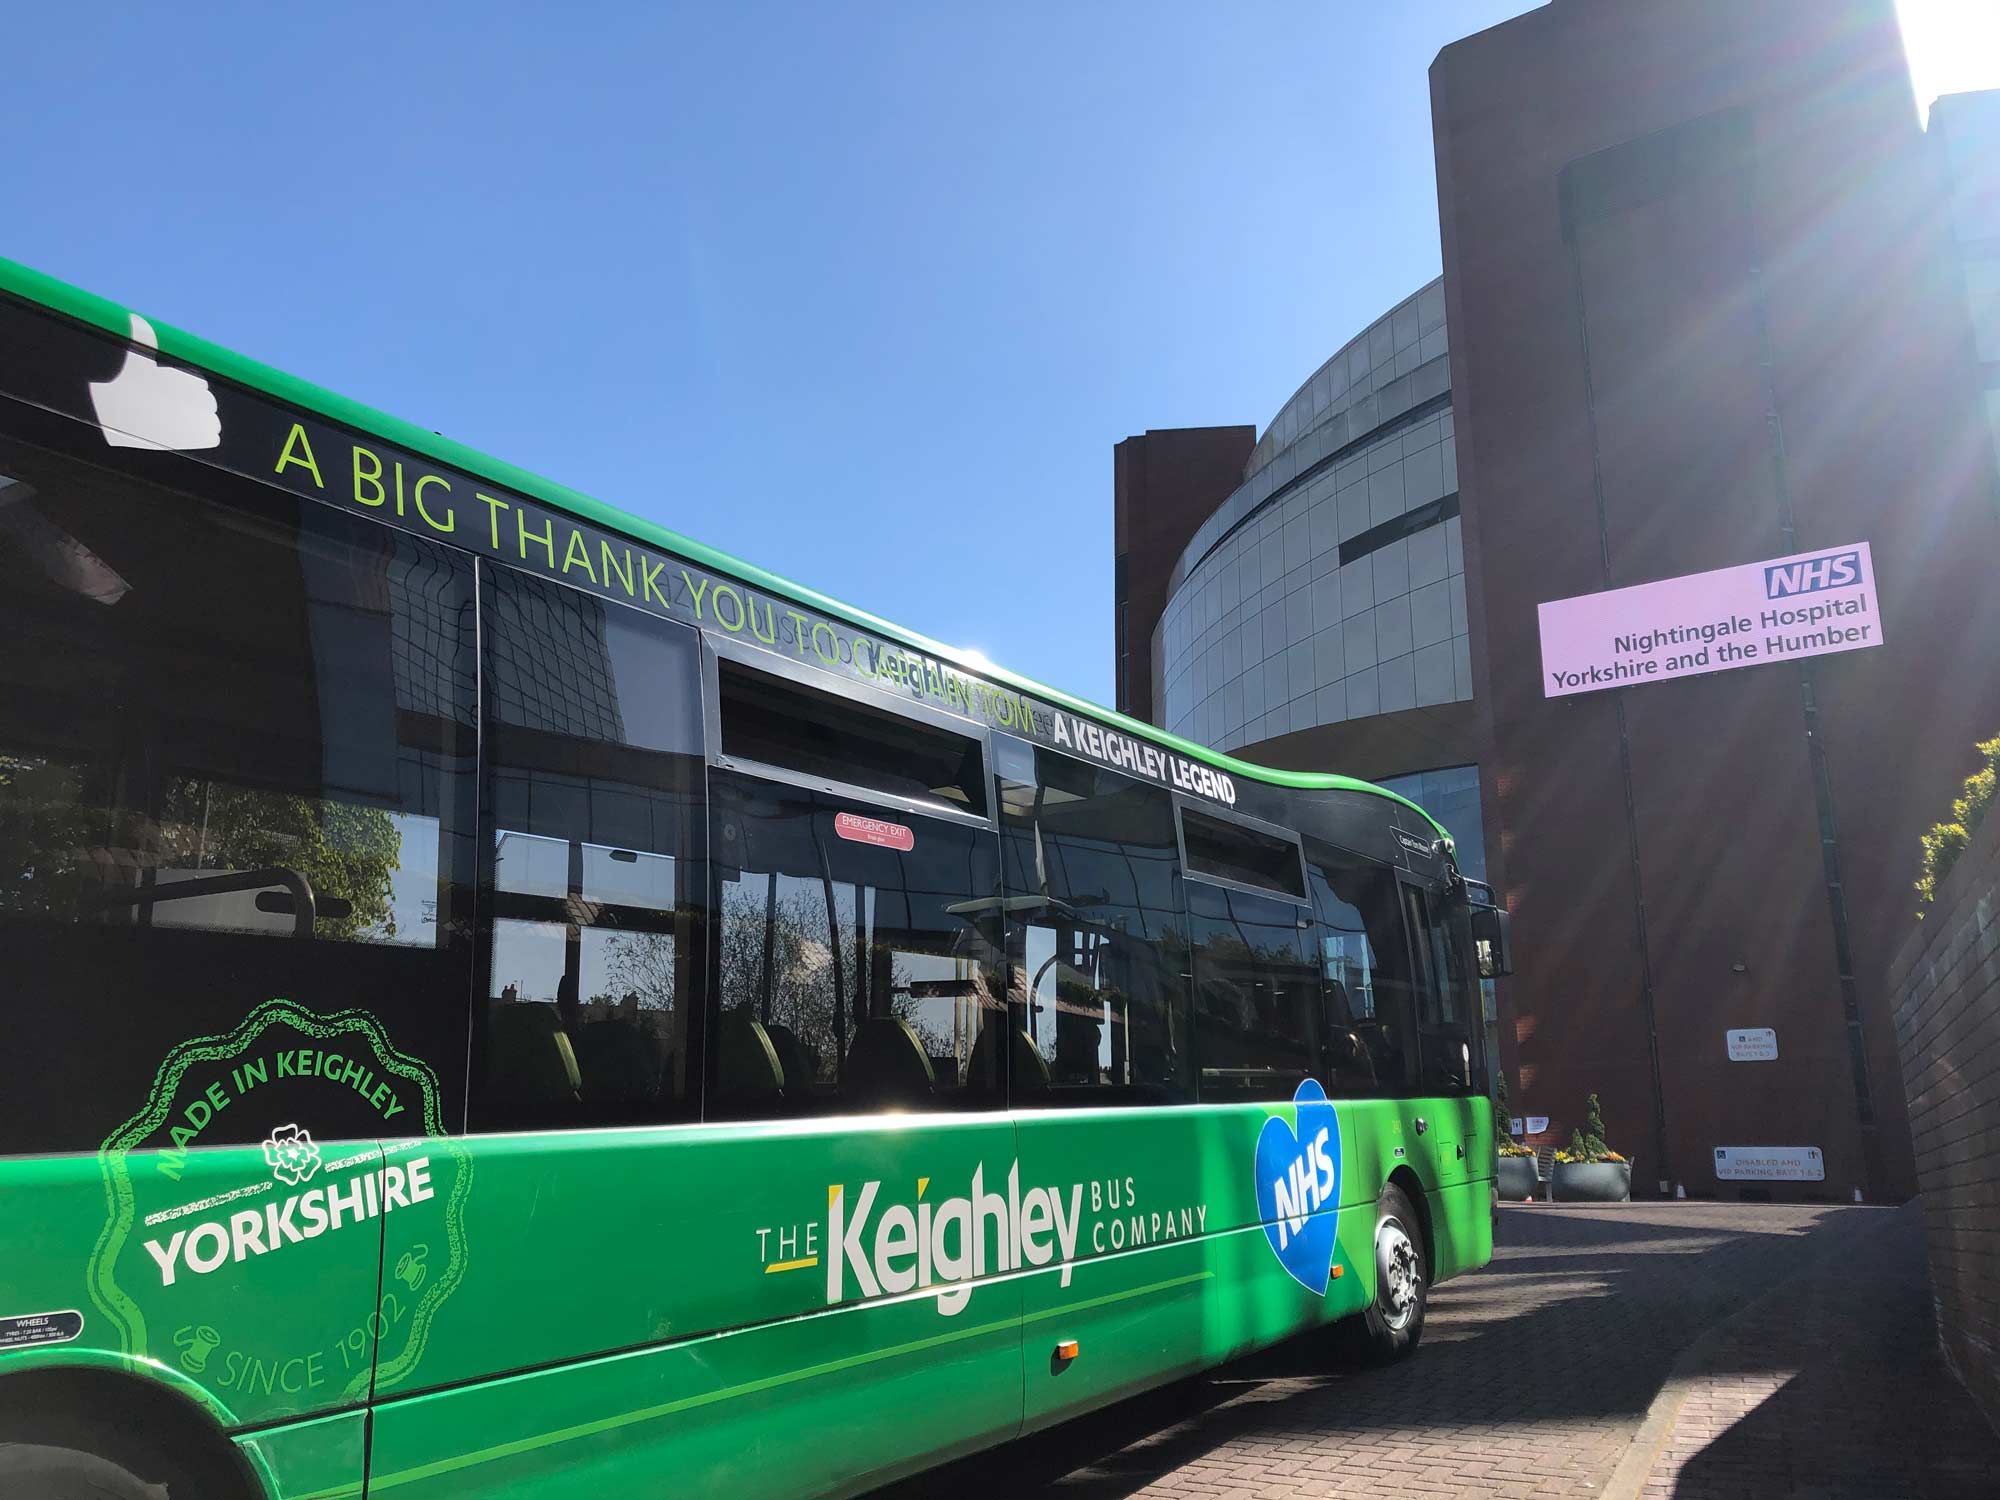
column 321, row 1459
column 665, row 1296
column 1261, row 1293
column 1462, row 1206
column 258, row 1327
column 1134, row 1189
column 1146, row 1302
column 812, row 1406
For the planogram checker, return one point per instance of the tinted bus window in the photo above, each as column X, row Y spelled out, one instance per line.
column 1225, row 850
column 775, row 722
column 236, row 767
column 1096, row 938
column 1446, row 999
column 1371, row 1025
column 593, row 750
column 1256, row 994
column 857, row 972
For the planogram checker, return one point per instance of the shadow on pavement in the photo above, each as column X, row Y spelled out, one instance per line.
column 1544, row 1362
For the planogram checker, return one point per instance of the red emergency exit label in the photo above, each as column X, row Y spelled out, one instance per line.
column 859, row 830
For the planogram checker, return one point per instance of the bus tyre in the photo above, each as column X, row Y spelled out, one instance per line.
column 36, row 1472
column 1390, row 1327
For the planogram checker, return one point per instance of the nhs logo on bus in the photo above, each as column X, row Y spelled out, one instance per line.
column 1298, row 1187
column 1808, row 575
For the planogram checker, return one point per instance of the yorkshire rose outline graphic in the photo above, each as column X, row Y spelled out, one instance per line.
column 143, row 1165
column 292, row 1155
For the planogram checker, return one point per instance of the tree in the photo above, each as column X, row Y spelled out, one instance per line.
column 802, row 958
column 62, row 841
column 1587, row 1144
column 345, row 851
column 642, row 964
column 1503, row 1118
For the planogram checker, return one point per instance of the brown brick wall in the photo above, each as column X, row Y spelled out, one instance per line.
column 1165, row 483
column 1703, row 310
column 1946, row 981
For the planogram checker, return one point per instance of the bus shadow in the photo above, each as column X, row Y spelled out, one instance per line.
column 1577, row 1322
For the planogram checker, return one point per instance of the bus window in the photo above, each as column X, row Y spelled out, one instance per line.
column 1223, row 849
column 856, row 969
column 1096, row 938
column 769, row 720
column 236, row 764
column 1446, row 1001
column 1256, row 997
column 593, row 731
column 1364, row 974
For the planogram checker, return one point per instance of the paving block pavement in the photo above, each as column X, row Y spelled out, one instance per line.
column 1693, row 1350
column 1831, row 1386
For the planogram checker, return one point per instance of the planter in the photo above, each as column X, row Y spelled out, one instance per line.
column 1592, row 1182
column 1519, row 1177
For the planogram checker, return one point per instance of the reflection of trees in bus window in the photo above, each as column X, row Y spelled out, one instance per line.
column 1370, row 1043
column 593, row 777
column 1096, row 939
column 237, row 762
column 288, row 732
column 1256, row 995
column 854, row 975
column 373, row 873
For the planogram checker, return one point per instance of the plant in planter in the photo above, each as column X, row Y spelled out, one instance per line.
column 1519, row 1174
column 1589, row 1171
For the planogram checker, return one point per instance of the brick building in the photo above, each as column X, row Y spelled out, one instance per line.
column 1704, row 308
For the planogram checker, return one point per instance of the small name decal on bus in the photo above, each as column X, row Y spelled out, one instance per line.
column 1410, row 841
column 1128, row 754
column 1298, row 1176
column 859, row 830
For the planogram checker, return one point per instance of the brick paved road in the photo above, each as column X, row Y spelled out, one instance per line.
column 1537, row 1374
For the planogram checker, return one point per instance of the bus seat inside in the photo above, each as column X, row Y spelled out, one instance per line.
column 887, row 1064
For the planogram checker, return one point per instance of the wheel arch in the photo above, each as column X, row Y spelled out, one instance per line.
column 1406, row 1179
column 156, row 1429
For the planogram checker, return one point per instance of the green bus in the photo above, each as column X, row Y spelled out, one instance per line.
column 501, row 999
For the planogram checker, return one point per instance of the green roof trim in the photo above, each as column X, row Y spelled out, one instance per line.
column 59, row 296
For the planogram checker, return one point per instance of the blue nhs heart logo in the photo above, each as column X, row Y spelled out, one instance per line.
column 1298, row 1173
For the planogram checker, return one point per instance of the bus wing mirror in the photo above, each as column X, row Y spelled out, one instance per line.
column 1492, row 935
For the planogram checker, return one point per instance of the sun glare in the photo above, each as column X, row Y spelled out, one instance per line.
column 1953, row 46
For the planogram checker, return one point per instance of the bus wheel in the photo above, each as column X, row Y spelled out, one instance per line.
column 67, row 1474
column 1390, row 1327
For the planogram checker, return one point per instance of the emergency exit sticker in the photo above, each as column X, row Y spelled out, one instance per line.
column 859, row 830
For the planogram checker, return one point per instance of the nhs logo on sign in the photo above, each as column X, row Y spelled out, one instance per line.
column 1809, row 575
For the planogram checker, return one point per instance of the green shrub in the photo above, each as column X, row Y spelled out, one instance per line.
column 1587, row 1144
column 1947, row 841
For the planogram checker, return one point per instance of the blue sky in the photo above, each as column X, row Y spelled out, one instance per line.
column 864, row 294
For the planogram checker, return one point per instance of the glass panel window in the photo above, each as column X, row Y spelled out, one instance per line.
column 857, row 966
column 1446, row 1009
column 1224, row 850
column 771, row 721
column 1096, row 938
column 593, row 777
column 1364, row 972
column 1256, row 995
column 236, row 763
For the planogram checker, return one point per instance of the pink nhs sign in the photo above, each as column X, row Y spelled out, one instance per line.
column 1809, row 604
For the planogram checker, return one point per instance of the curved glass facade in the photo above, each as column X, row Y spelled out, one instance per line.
column 1330, row 585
